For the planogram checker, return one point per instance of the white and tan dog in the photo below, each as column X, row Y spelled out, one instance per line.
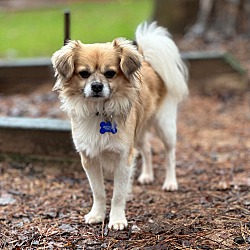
column 113, row 92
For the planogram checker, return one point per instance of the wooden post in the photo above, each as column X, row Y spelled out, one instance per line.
column 66, row 26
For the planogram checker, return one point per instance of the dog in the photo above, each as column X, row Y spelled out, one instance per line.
column 113, row 93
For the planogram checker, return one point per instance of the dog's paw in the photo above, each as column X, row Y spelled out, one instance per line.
column 118, row 224
column 170, row 185
column 145, row 179
column 94, row 217
column 117, row 220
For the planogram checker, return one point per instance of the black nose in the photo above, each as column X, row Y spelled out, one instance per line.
column 96, row 87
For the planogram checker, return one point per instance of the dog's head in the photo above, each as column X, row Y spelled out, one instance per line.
column 96, row 71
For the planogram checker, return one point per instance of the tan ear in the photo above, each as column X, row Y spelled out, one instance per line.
column 63, row 63
column 130, row 57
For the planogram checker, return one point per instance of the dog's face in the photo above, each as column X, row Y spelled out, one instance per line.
column 96, row 71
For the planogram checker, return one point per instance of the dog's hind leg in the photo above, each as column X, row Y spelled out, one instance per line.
column 166, row 129
column 147, row 174
column 94, row 173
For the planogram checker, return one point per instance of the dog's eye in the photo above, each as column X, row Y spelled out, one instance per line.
column 84, row 74
column 110, row 74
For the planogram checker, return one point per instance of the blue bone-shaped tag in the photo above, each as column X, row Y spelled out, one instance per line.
column 108, row 127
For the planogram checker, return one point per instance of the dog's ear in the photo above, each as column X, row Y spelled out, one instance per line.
column 130, row 58
column 63, row 63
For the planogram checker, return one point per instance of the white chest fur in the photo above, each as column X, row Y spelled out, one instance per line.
column 88, row 139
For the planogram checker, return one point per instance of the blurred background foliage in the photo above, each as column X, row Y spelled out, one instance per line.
column 34, row 28
column 40, row 31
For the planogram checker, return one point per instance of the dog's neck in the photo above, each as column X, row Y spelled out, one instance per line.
column 115, row 110
column 105, row 116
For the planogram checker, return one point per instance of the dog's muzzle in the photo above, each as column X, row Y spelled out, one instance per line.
column 97, row 89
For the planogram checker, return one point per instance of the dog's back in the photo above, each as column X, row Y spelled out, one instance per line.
column 162, row 54
column 168, row 86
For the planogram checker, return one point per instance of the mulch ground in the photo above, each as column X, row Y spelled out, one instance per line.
column 44, row 209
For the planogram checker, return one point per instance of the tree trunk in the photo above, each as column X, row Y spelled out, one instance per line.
column 221, row 19
column 176, row 15
column 210, row 19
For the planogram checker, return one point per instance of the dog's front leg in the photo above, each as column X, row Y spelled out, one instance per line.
column 94, row 173
column 122, row 178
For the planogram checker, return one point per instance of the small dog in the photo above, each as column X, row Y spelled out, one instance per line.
column 113, row 93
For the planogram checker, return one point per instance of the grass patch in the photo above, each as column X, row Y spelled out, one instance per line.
column 40, row 32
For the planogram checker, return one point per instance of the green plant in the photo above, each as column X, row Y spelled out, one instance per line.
column 40, row 32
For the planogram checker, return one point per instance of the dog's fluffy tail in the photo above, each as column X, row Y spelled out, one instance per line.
column 162, row 54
